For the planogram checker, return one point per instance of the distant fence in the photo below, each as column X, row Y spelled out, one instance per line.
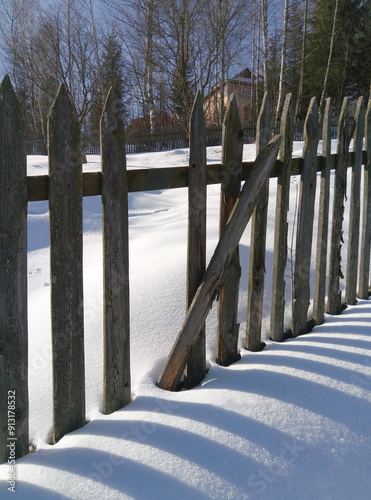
column 65, row 186
column 166, row 141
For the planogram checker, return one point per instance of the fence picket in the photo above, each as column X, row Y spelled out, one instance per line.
column 280, row 234
column 323, row 217
column 116, row 323
column 305, row 222
column 13, row 278
column 335, row 273
column 65, row 205
column 355, row 208
column 228, row 328
column 252, row 340
column 364, row 272
column 195, row 370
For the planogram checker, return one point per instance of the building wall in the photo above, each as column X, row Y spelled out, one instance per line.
column 212, row 103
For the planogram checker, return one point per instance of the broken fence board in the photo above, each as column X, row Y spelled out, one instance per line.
column 174, row 367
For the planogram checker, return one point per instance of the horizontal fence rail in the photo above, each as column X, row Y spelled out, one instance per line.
column 66, row 185
column 170, row 177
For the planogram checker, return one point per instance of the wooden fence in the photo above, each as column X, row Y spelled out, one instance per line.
column 65, row 186
column 140, row 142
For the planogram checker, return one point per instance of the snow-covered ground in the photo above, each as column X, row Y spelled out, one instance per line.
column 292, row 422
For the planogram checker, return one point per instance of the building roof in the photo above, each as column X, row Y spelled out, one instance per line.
column 242, row 78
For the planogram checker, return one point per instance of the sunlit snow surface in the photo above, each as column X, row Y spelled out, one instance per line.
column 292, row 422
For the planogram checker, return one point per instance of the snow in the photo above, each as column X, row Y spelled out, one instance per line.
column 291, row 422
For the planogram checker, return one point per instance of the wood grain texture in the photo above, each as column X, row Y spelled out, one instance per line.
column 364, row 268
column 355, row 207
column 232, row 148
column 323, row 220
column 280, row 232
column 304, row 232
column 257, row 270
column 334, row 303
column 116, row 316
column 13, row 276
column 65, row 205
column 195, row 370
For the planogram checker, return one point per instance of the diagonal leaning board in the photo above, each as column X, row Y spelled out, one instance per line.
column 213, row 278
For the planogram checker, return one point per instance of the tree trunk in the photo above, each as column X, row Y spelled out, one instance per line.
column 148, row 69
column 324, row 90
column 264, row 9
column 283, row 64
column 302, row 63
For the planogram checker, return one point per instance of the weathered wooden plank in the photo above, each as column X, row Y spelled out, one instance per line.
column 280, row 233
column 232, row 149
column 252, row 340
column 116, row 317
column 364, row 268
column 195, row 370
column 355, row 208
column 304, row 232
column 167, row 178
column 344, row 136
column 13, row 279
column 65, row 204
column 213, row 278
column 323, row 218
column 91, row 183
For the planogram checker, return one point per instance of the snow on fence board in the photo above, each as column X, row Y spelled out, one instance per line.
column 65, row 186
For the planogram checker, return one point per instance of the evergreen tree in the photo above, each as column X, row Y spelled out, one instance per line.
column 349, row 71
column 111, row 75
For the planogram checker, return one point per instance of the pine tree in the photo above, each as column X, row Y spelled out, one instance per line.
column 349, row 45
column 111, row 75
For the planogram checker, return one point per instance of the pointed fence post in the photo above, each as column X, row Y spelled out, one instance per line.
column 280, row 234
column 344, row 136
column 355, row 207
column 116, row 324
column 364, row 268
column 257, row 270
column 323, row 218
column 213, row 278
column 65, row 205
column 195, row 370
column 228, row 328
column 303, row 250
column 13, row 279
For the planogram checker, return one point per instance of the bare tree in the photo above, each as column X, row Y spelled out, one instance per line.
column 149, row 66
column 283, row 62
column 302, row 60
column 333, row 32
column 264, row 18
